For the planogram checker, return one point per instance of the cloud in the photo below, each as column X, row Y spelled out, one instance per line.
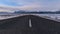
column 30, row 7
column 22, row 5
column 51, row 5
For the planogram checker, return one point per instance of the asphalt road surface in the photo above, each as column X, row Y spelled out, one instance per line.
column 29, row 24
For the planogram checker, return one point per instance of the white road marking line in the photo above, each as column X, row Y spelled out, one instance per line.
column 30, row 25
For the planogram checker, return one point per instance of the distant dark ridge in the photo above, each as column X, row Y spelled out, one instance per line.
column 20, row 25
column 23, row 12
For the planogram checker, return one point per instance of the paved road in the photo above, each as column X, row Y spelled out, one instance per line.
column 20, row 25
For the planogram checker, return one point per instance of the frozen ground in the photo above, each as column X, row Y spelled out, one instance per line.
column 7, row 16
column 55, row 17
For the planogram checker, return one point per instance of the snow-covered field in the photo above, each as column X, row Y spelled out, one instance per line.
column 2, row 17
column 55, row 17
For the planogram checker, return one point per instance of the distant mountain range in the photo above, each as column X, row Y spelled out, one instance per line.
column 24, row 12
column 5, row 10
column 41, row 12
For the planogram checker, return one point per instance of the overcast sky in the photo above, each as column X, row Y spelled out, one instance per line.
column 32, row 4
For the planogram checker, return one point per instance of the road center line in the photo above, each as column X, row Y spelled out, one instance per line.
column 30, row 25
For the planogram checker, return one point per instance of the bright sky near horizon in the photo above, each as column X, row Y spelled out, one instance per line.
column 32, row 4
